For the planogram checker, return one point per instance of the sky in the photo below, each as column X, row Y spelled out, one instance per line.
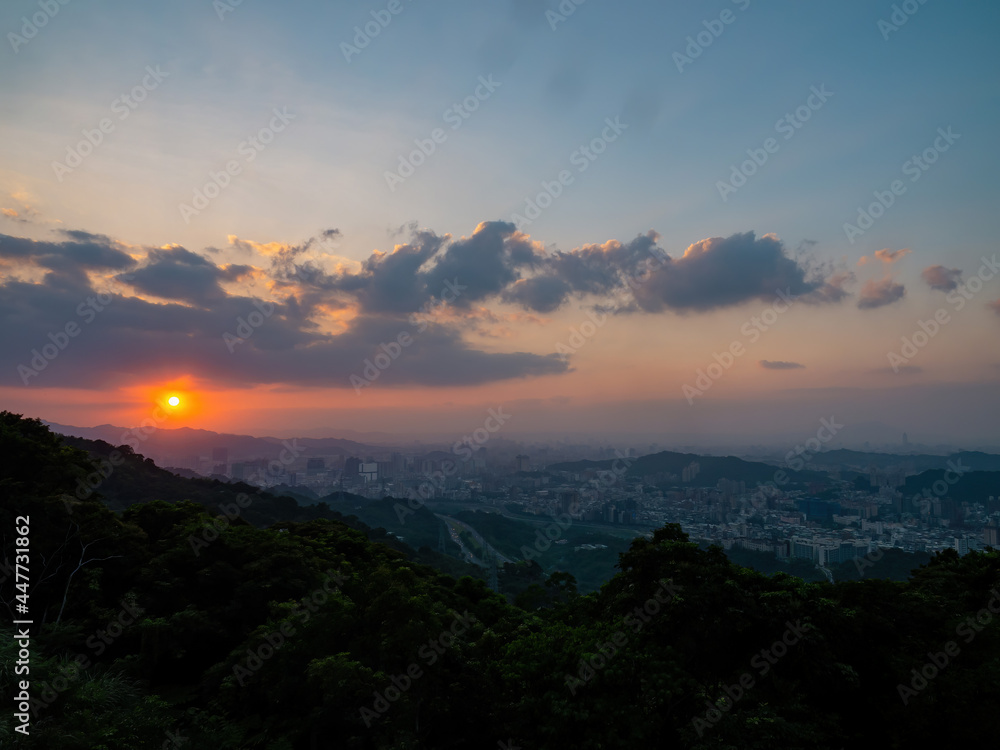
column 696, row 220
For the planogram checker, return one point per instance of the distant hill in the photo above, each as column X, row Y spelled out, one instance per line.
column 668, row 467
column 139, row 480
column 970, row 487
column 169, row 446
column 861, row 461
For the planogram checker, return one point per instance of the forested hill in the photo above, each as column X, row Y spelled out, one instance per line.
column 122, row 478
column 308, row 635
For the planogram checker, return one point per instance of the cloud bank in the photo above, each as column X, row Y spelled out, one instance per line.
column 168, row 309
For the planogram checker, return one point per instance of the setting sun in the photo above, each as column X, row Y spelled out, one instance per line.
column 174, row 401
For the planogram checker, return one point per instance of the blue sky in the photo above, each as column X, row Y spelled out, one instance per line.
column 354, row 120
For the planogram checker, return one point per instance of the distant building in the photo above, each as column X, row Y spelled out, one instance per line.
column 966, row 544
column 689, row 472
column 220, row 461
column 815, row 509
column 991, row 537
column 315, row 466
column 398, row 462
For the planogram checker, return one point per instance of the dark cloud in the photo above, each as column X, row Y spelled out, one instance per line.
column 417, row 273
column 832, row 290
column 123, row 338
column 880, row 293
column 178, row 274
column 497, row 261
column 940, row 278
column 994, row 306
column 714, row 273
column 779, row 365
column 87, row 252
column 320, row 325
column 720, row 272
column 541, row 293
column 486, row 263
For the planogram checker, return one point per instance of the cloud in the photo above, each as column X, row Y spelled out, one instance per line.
column 832, row 290
column 328, row 315
column 304, row 340
column 542, row 293
column 639, row 276
column 888, row 257
column 940, row 278
column 779, row 365
column 876, row 294
column 179, row 274
column 23, row 213
column 86, row 252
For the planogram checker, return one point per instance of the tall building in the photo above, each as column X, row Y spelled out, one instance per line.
column 991, row 536
column 369, row 471
column 398, row 462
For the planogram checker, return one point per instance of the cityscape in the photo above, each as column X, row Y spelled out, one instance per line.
column 521, row 375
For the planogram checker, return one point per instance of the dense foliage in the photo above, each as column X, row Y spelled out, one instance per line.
column 152, row 630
